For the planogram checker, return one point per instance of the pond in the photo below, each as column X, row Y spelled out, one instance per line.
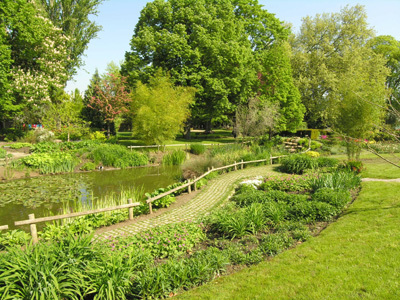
column 47, row 195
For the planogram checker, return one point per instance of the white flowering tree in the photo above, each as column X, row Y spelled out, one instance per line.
column 38, row 59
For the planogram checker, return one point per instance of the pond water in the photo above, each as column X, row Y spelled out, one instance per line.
column 46, row 195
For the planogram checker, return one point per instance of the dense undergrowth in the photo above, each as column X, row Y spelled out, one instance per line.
column 254, row 224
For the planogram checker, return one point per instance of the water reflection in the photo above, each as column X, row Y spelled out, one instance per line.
column 45, row 195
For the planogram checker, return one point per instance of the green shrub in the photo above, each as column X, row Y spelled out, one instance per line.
column 46, row 163
column 97, row 136
column 324, row 211
column 89, row 166
column 197, row 149
column 336, row 198
column 355, row 166
column 174, row 158
column 297, row 164
column 286, row 183
column 328, row 162
column 336, row 180
column 232, row 223
column 20, row 145
column 13, row 237
column 45, row 147
column 273, row 244
column 117, row 156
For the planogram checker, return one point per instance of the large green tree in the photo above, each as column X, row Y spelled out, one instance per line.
column 341, row 79
column 73, row 17
column 216, row 46
column 35, row 60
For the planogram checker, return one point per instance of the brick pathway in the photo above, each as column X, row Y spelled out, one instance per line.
column 217, row 190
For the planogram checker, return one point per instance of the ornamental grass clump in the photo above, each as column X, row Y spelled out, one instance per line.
column 297, row 163
column 174, row 158
column 117, row 156
column 197, row 149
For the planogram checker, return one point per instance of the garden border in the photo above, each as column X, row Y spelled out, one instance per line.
column 32, row 221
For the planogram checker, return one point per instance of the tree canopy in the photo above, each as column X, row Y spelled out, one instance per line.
column 338, row 75
column 72, row 17
column 216, row 46
column 159, row 109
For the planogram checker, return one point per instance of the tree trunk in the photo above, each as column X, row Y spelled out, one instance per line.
column 208, row 127
column 108, row 130
column 187, row 132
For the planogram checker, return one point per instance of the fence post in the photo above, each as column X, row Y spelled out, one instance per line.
column 158, row 148
column 189, row 187
column 242, row 165
column 150, row 206
column 33, row 229
column 195, row 184
column 164, row 148
column 130, row 210
column 235, row 166
column 270, row 159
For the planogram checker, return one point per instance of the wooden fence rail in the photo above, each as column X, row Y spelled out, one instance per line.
column 4, row 227
column 32, row 221
column 175, row 145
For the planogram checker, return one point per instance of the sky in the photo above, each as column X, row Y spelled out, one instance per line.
column 119, row 17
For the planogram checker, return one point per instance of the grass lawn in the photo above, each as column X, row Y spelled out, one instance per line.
column 357, row 257
column 217, row 137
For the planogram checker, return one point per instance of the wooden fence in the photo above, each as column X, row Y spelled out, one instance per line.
column 175, row 145
column 32, row 221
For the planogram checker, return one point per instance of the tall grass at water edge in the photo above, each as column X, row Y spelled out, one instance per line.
column 174, row 158
column 117, row 156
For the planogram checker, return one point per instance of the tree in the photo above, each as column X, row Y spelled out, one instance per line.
column 217, row 47
column 64, row 116
column 35, row 60
column 160, row 109
column 256, row 118
column 111, row 98
column 72, row 16
column 389, row 47
column 342, row 81
column 317, row 57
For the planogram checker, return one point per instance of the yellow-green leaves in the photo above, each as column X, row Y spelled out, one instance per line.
column 160, row 109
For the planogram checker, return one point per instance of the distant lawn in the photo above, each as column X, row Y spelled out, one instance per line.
column 218, row 136
column 357, row 257
column 376, row 167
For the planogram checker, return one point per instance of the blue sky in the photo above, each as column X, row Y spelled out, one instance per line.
column 119, row 17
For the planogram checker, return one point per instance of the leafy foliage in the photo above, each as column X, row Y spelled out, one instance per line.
column 117, row 156
column 219, row 48
column 160, row 109
column 174, row 158
column 46, row 163
column 197, row 149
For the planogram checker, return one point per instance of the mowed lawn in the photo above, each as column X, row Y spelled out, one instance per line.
column 357, row 257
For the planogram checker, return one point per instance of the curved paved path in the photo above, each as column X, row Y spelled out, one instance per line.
column 217, row 190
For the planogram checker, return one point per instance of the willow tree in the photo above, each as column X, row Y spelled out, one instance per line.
column 216, row 46
column 341, row 79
